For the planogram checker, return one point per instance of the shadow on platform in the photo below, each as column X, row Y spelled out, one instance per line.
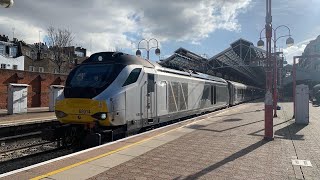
column 231, row 158
column 232, row 120
column 258, row 110
column 201, row 127
column 290, row 132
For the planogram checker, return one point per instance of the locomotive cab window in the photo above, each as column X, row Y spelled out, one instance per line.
column 89, row 80
column 133, row 76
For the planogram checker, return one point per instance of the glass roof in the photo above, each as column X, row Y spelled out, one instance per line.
column 242, row 61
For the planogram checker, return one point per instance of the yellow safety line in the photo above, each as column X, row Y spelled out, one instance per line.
column 111, row 152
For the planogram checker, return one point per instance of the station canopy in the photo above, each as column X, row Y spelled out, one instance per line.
column 241, row 62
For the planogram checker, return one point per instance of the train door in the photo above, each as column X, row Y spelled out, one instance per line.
column 148, row 99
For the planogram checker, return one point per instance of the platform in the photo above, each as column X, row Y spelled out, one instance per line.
column 34, row 115
column 227, row 144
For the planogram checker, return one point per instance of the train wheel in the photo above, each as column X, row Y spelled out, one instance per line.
column 71, row 137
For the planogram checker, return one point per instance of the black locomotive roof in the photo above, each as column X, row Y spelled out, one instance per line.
column 117, row 58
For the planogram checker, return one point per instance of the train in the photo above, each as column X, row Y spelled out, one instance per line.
column 118, row 93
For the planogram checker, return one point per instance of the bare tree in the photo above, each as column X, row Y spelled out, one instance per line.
column 58, row 40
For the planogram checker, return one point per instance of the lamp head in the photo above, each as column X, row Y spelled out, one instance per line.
column 260, row 43
column 157, row 52
column 6, row 3
column 289, row 41
column 138, row 53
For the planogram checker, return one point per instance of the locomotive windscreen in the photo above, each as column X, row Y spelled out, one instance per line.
column 89, row 80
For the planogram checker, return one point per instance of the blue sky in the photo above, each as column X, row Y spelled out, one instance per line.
column 202, row 26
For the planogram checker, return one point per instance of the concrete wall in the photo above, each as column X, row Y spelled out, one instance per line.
column 38, row 91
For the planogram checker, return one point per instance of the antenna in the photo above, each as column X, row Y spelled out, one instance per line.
column 91, row 45
column 13, row 33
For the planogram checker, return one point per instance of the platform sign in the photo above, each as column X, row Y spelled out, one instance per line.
column 297, row 162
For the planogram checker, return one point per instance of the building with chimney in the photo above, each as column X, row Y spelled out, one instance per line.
column 10, row 56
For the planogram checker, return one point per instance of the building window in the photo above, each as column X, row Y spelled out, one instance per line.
column 3, row 66
column 41, row 69
column 13, row 51
column 15, row 67
column 31, row 68
column 55, row 71
column 79, row 54
column 45, row 55
column 2, row 49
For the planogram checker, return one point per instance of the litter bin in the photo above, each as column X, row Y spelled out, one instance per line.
column 302, row 104
column 55, row 91
column 17, row 98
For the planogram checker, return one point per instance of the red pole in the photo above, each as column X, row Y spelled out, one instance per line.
column 275, row 77
column 268, row 133
column 294, row 86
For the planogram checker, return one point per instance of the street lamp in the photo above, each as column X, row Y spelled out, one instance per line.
column 6, row 3
column 289, row 43
column 268, row 119
column 260, row 43
column 157, row 51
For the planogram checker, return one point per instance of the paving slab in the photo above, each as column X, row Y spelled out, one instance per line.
column 80, row 172
column 111, row 160
column 152, row 143
column 40, row 114
column 134, row 151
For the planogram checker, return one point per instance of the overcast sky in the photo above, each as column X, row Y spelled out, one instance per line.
column 202, row 26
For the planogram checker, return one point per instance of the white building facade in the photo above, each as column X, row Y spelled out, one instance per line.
column 8, row 56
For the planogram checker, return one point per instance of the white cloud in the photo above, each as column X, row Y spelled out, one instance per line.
column 116, row 24
column 30, row 32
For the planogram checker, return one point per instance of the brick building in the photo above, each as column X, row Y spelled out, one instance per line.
column 41, row 59
column 38, row 90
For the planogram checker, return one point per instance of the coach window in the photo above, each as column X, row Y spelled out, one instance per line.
column 133, row 76
column 215, row 95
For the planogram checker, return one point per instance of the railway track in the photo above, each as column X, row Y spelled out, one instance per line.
column 21, row 146
column 17, row 153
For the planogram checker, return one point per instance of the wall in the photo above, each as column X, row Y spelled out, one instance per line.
column 19, row 61
column 38, row 91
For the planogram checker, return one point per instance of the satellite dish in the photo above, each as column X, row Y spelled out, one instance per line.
column 6, row 3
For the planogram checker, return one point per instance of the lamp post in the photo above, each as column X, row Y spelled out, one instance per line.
column 157, row 51
column 6, row 3
column 39, row 48
column 39, row 40
column 289, row 43
column 268, row 119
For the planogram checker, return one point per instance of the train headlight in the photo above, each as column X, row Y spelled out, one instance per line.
column 100, row 115
column 103, row 116
column 60, row 114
